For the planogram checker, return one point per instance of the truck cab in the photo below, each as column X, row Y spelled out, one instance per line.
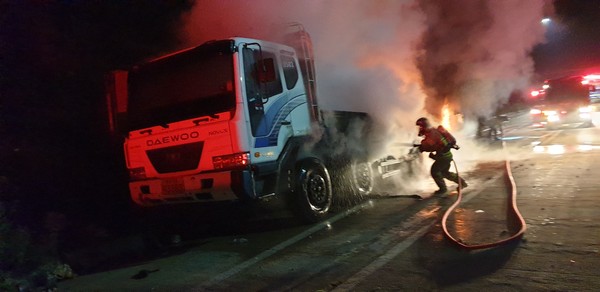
column 198, row 119
column 238, row 119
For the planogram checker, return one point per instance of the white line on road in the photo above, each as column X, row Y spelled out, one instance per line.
column 357, row 278
column 349, row 284
column 269, row 252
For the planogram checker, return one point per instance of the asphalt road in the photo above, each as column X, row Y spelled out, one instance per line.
column 395, row 242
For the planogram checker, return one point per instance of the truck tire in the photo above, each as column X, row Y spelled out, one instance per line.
column 312, row 192
column 362, row 178
column 352, row 181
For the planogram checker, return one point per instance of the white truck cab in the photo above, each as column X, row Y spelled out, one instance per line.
column 230, row 120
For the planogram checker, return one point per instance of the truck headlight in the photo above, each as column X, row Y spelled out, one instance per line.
column 232, row 161
column 137, row 173
column 550, row 113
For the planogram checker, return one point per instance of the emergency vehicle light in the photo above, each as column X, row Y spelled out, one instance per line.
column 592, row 77
column 232, row 161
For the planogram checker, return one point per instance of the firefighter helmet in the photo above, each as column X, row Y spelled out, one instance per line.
column 423, row 123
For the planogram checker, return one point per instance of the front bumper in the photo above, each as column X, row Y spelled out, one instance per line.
column 204, row 187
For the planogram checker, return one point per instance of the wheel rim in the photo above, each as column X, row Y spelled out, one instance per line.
column 363, row 178
column 317, row 191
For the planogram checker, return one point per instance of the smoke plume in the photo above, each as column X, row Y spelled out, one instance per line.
column 395, row 59
column 365, row 50
column 474, row 54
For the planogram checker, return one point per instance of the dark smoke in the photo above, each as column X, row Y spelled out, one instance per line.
column 475, row 53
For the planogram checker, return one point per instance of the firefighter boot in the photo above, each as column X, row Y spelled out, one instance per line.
column 440, row 192
column 439, row 181
column 463, row 184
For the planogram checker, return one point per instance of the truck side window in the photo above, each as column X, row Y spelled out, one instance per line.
column 257, row 92
column 290, row 71
column 274, row 87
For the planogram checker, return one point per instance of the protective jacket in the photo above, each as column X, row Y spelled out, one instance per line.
column 439, row 141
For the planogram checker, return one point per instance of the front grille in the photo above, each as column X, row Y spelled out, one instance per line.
column 176, row 158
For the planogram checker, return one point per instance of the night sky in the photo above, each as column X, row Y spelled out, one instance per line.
column 572, row 40
column 56, row 153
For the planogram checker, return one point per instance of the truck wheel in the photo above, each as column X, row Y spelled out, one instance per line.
column 362, row 178
column 312, row 193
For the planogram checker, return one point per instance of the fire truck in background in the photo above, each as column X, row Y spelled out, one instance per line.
column 566, row 100
column 593, row 83
column 238, row 119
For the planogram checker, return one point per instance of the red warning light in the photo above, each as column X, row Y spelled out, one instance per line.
column 591, row 79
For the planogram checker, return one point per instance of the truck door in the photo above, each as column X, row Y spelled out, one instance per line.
column 263, row 98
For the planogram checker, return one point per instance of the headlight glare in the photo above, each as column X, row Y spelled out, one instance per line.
column 535, row 111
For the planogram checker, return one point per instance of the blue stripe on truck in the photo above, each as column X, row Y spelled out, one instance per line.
column 273, row 117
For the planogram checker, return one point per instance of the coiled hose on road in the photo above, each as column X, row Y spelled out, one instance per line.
column 513, row 210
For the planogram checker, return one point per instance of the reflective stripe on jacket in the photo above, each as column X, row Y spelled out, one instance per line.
column 434, row 141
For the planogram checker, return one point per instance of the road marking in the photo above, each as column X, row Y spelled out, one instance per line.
column 269, row 252
column 349, row 284
column 357, row 278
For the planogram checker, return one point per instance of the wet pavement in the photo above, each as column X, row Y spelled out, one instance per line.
column 396, row 243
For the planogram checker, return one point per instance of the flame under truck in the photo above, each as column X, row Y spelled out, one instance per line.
column 238, row 119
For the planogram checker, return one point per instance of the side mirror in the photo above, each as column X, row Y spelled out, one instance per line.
column 266, row 70
column 116, row 90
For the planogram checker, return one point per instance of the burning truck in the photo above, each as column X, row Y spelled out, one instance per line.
column 238, row 119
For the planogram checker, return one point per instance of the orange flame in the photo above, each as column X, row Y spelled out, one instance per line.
column 446, row 116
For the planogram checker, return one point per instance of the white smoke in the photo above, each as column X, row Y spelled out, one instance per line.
column 365, row 50
column 476, row 53
column 394, row 59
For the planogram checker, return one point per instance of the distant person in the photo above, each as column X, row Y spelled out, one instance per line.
column 439, row 142
column 481, row 126
column 490, row 128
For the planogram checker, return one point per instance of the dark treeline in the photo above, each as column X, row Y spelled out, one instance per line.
column 55, row 152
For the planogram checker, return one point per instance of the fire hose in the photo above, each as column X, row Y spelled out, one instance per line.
column 512, row 208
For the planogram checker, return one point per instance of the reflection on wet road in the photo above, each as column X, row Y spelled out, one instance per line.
column 567, row 139
column 397, row 243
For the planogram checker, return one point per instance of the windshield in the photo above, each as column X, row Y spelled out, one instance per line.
column 190, row 84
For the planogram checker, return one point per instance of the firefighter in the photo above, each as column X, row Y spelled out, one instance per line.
column 439, row 142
